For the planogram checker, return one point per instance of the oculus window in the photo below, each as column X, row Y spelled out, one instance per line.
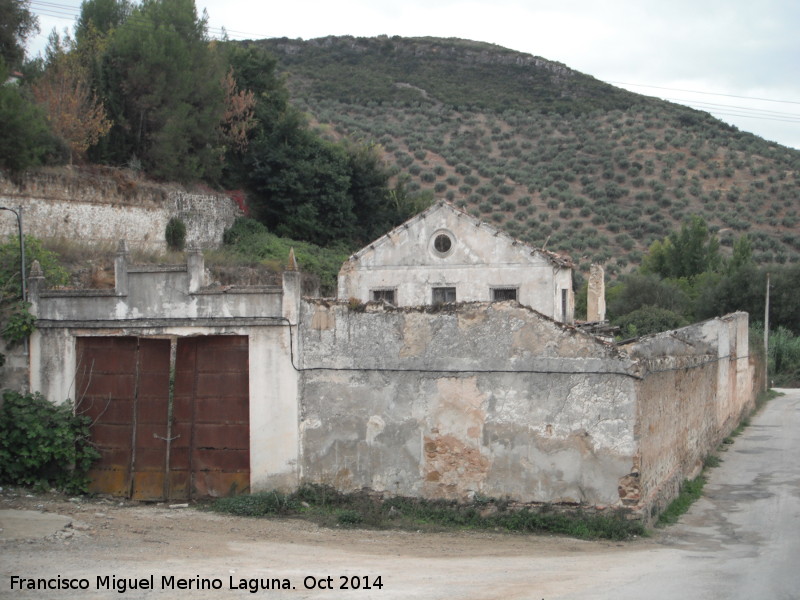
column 442, row 243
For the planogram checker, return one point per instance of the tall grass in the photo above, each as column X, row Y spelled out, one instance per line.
column 783, row 358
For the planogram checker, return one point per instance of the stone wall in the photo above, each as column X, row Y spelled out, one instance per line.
column 103, row 209
column 454, row 401
column 497, row 400
column 697, row 385
column 489, row 398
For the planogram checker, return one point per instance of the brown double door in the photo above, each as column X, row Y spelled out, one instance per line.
column 163, row 437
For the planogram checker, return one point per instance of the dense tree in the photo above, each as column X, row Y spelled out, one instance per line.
column 239, row 116
column 374, row 211
column 300, row 182
column 742, row 254
column 25, row 138
column 740, row 289
column 17, row 24
column 638, row 290
column 687, row 253
column 254, row 72
column 73, row 110
column 101, row 17
column 162, row 80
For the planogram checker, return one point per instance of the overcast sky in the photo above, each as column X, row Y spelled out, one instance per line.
column 739, row 60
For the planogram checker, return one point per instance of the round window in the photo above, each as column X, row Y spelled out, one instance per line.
column 442, row 243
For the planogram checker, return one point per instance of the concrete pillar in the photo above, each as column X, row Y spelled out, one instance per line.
column 596, row 300
column 121, row 262
column 196, row 265
column 292, row 293
column 35, row 283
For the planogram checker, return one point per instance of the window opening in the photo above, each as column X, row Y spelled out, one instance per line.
column 387, row 296
column 444, row 294
column 500, row 294
column 442, row 243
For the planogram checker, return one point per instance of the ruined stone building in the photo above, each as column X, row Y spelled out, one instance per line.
column 488, row 395
column 445, row 255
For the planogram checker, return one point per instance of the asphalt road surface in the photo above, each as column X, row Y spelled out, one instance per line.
column 741, row 541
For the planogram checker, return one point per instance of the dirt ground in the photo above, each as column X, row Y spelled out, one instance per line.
column 740, row 541
column 103, row 544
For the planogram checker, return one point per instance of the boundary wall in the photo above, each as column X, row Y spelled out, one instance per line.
column 451, row 401
column 105, row 209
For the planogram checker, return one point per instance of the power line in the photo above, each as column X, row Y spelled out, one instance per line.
column 740, row 111
column 656, row 87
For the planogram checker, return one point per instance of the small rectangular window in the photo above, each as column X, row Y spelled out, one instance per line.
column 504, row 293
column 444, row 294
column 564, row 304
column 385, row 295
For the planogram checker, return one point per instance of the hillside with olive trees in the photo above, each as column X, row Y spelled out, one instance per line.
column 550, row 155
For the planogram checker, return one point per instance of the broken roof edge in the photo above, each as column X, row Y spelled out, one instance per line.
column 380, row 306
column 555, row 258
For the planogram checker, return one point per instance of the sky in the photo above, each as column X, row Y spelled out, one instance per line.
column 737, row 59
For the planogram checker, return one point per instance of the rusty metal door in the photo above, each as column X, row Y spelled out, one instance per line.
column 158, row 445
column 123, row 387
column 211, row 417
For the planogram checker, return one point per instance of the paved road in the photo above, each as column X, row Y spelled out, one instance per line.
column 741, row 541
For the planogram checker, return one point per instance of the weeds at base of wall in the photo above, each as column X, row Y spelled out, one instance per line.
column 328, row 507
column 692, row 490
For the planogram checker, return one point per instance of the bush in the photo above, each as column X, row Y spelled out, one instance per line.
column 784, row 358
column 649, row 319
column 54, row 273
column 175, row 234
column 20, row 324
column 43, row 444
column 250, row 240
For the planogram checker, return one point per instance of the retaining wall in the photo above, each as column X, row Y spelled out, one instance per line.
column 103, row 209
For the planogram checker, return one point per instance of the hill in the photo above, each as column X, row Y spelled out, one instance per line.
column 553, row 156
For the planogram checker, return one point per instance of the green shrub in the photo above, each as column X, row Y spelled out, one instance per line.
column 54, row 273
column 257, row 505
column 20, row 324
column 649, row 319
column 250, row 240
column 784, row 357
column 175, row 234
column 25, row 138
column 43, row 444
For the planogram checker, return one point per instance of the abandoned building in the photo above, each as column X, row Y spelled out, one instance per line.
column 444, row 255
column 498, row 398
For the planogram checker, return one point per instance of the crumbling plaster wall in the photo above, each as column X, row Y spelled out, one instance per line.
column 171, row 302
column 481, row 258
column 697, row 385
column 489, row 399
column 104, row 211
